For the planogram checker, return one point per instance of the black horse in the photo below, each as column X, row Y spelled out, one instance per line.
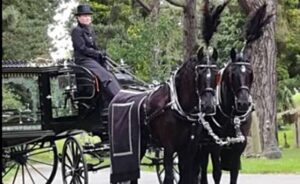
column 232, row 121
column 170, row 114
column 175, row 125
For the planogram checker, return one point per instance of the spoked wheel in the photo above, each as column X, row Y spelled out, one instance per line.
column 74, row 167
column 30, row 163
column 160, row 170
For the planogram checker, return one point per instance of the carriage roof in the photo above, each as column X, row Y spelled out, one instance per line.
column 23, row 67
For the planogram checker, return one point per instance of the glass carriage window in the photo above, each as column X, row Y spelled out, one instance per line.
column 60, row 97
column 20, row 104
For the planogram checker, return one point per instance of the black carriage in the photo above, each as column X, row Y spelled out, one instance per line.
column 57, row 101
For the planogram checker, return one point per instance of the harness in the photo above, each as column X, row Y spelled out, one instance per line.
column 175, row 105
column 194, row 118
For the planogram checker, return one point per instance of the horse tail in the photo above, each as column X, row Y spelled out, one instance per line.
column 255, row 23
column 211, row 19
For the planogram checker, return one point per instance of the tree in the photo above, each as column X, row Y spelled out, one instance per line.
column 263, row 60
column 24, row 28
column 152, row 49
column 189, row 23
column 111, row 19
column 229, row 34
column 287, row 39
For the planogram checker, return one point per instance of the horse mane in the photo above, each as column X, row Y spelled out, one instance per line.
column 211, row 19
column 187, row 67
column 255, row 23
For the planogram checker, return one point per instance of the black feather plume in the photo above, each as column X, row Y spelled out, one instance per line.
column 211, row 19
column 255, row 23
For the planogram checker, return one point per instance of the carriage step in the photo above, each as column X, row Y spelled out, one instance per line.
column 88, row 147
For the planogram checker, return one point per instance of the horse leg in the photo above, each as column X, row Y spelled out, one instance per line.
column 188, row 165
column 183, row 173
column 197, row 166
column 237, row 151
column 233, row 176
column 203, row 163
column 134, row 182
column 215, row 157
column 236, row 165
column 168, row 164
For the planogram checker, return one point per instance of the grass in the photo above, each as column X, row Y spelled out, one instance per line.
column 289, row 163
column 289, row 132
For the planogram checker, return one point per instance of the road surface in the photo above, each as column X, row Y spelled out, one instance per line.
column 102, row 177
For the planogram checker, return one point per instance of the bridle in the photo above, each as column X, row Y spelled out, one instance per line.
column 235, row 92
column 175, row 105
column 237, row 119
column 208, row 88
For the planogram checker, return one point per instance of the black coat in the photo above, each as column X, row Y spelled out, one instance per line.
column 88, row 55
column 84, row 43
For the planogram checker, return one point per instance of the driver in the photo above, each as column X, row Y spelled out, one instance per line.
column 88, row 55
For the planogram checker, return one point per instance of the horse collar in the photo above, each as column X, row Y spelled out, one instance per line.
column 175, row 105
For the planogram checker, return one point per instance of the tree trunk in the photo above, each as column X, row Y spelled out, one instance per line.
column 254, row 147
column 263, row 52
column 297, row 131
column 189, row 28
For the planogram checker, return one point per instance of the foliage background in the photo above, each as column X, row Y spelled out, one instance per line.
column 150, row 45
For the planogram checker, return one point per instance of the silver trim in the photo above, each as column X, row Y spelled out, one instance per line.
column 130, row 152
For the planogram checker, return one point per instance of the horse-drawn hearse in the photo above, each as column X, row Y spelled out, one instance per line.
column 200, row 111
column 58, row 101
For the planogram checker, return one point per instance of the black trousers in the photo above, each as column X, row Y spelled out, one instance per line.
column 108, row 80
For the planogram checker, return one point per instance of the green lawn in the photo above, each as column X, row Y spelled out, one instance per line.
column 289, row 163
column 289, row 131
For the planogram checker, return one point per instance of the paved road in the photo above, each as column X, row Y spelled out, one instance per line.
column 102, row 177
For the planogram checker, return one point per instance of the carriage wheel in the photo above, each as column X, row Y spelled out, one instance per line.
column 74, row 167
column 160, row 170
column 30, row 163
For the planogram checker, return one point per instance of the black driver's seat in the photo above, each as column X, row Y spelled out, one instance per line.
column 88, row 94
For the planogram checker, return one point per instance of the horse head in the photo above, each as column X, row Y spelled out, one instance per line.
column 194, row 85
column 238, row 76
column 206, row 72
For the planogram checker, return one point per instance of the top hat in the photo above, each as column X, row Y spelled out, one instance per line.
column 83, row 9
